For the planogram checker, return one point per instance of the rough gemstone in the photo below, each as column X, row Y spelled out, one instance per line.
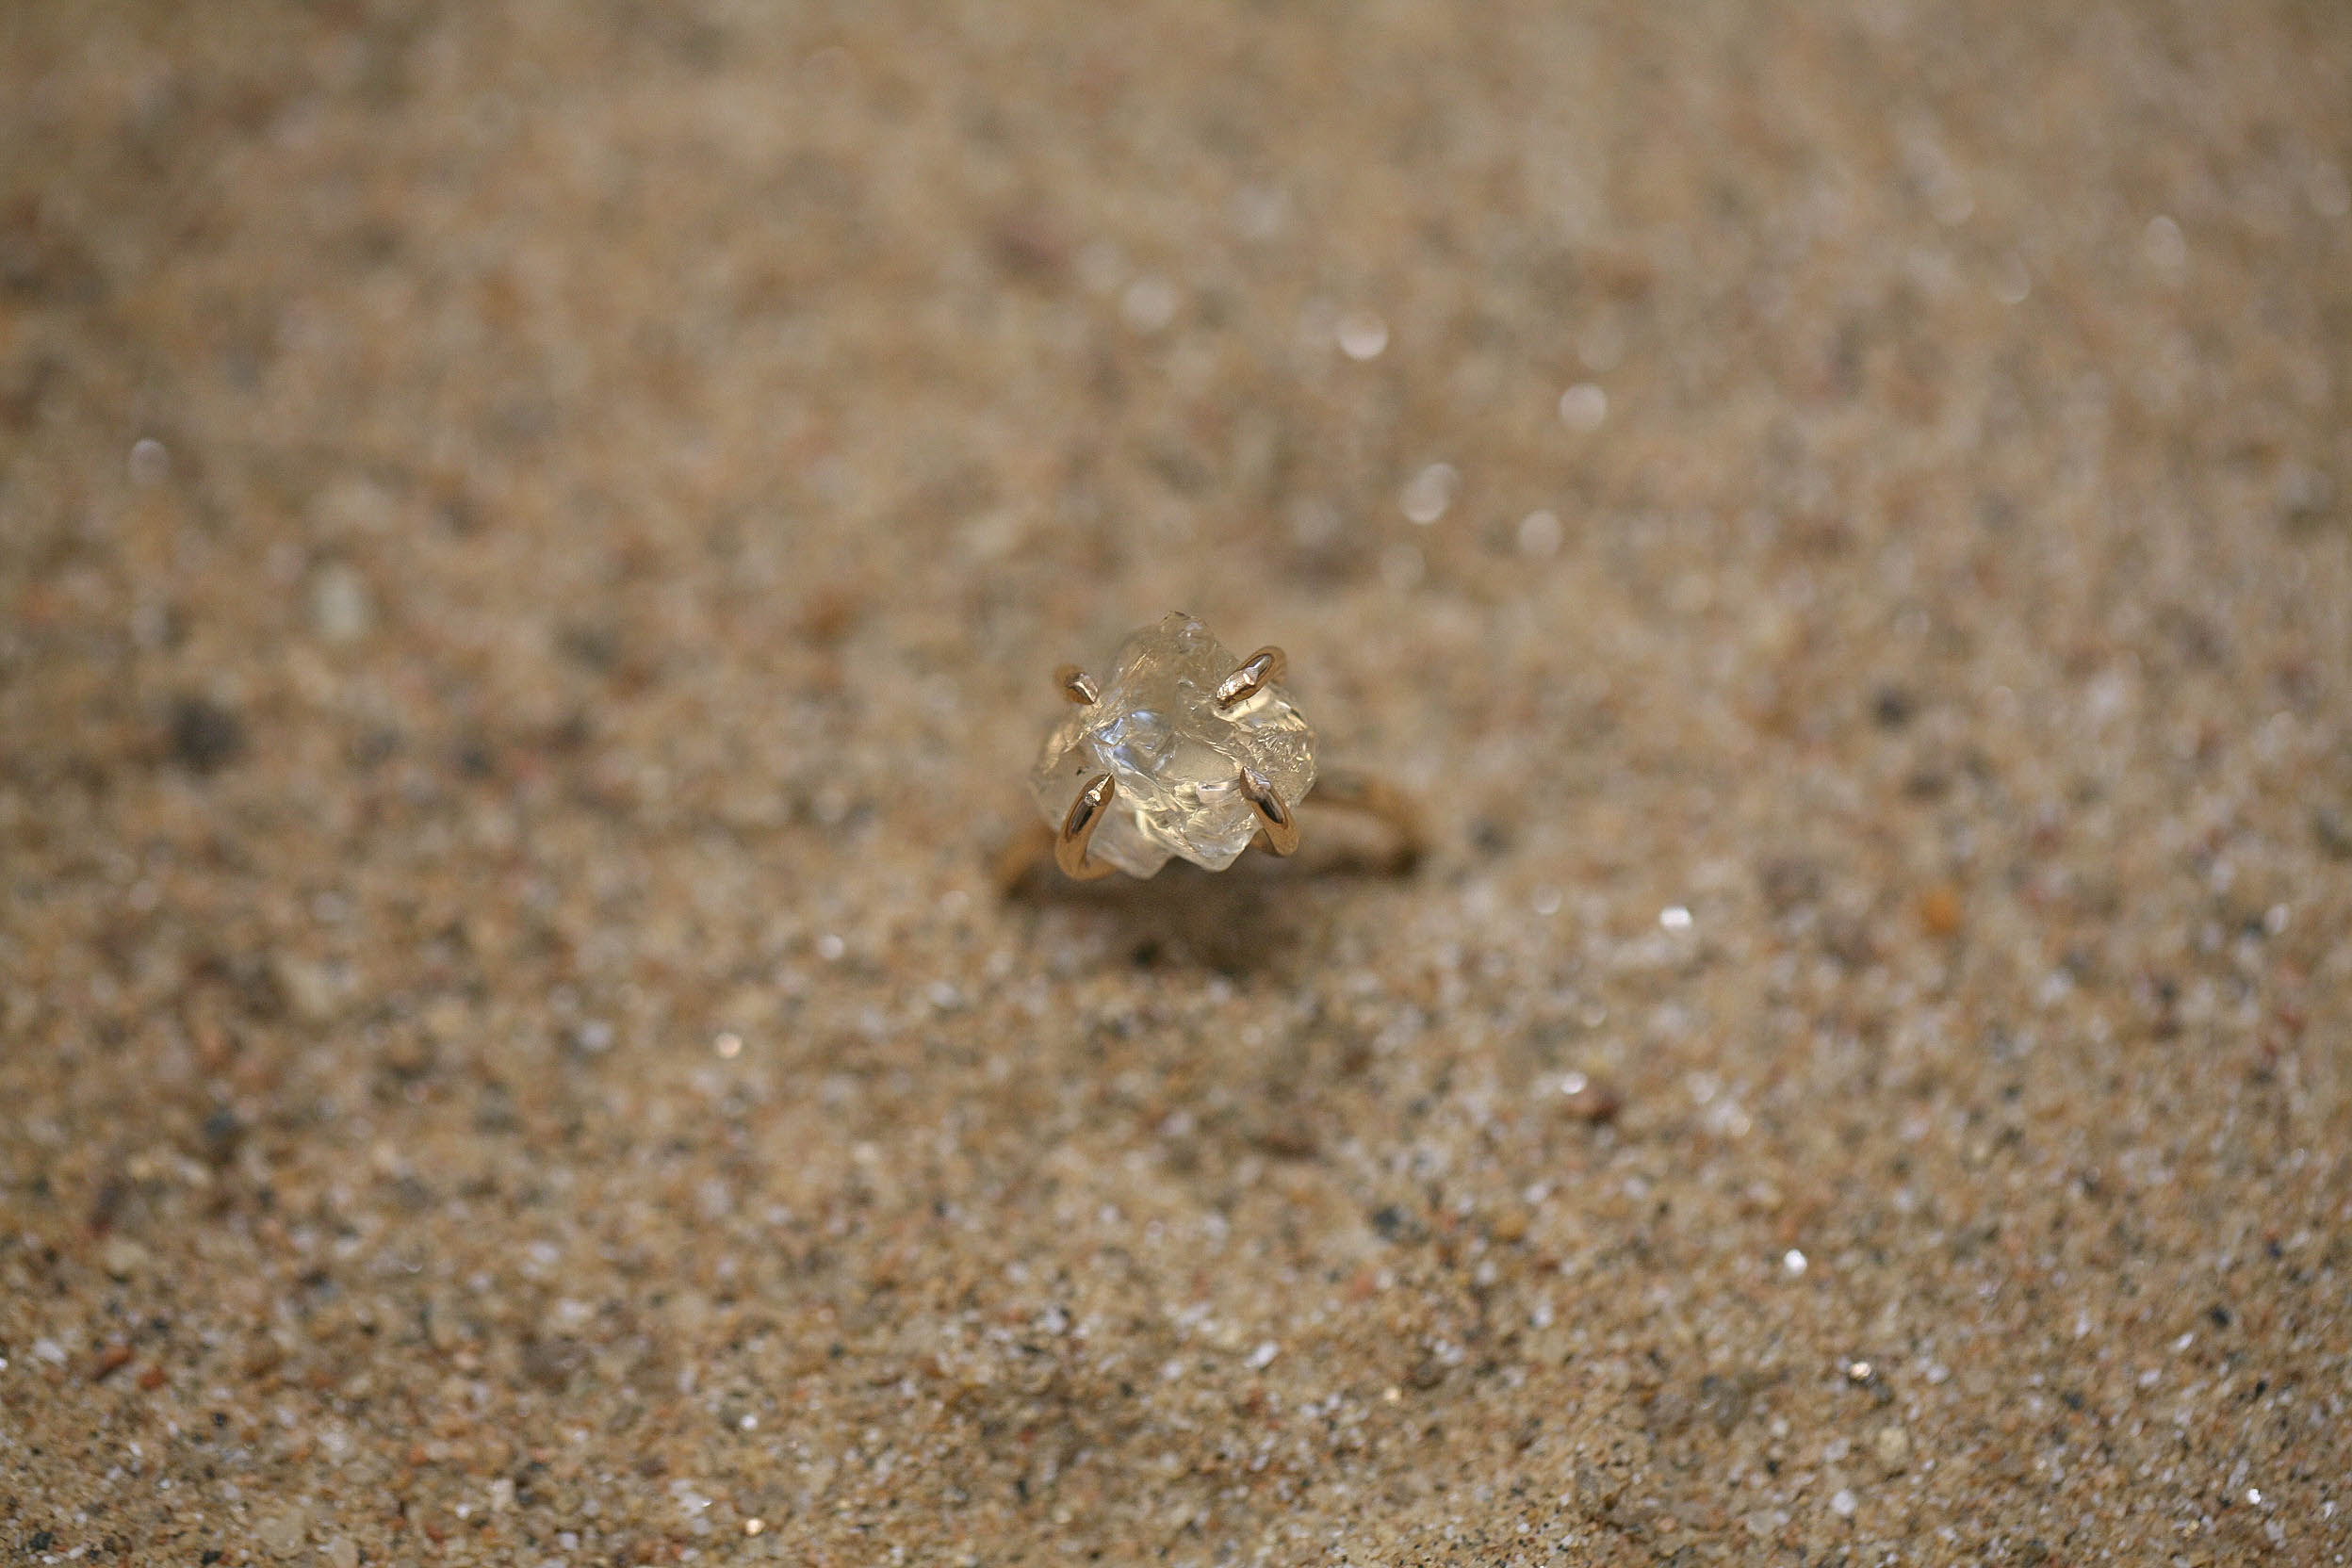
column 1175, row 756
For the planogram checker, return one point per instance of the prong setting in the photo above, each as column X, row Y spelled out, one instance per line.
column 1255, row 674
column 1278, row 825
column 1156, row 726
column 1086, row 815
column 1077, row 685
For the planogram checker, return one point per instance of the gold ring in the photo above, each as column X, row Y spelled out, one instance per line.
column 1188, row 752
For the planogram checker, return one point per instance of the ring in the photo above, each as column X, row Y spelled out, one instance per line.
column 1187, row 751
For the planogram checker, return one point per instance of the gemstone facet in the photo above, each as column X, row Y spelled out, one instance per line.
column 1175, row 756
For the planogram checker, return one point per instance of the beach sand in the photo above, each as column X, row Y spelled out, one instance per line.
column 534, row 539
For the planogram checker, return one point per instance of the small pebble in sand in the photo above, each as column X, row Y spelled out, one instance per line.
column 1939, row 910
column 1587, row 1099
column 151, row 461
column 1362, row 335
column 1149, row 304
column 340, row 610
column 1430, row 492
column 1891, row 1445
column 284, row 1531
column 1582, row 407
column 204, row 736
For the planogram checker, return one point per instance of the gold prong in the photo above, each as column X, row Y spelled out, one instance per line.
column 1077, row 685
column 1257, row 671
column 1278, row 825
column 1086, row 815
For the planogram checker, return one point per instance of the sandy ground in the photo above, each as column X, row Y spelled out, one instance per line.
column 533, row 537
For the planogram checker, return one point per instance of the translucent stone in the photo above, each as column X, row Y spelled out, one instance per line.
column 1175, row 756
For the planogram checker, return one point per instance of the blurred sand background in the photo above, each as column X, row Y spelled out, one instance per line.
column 533, row 537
